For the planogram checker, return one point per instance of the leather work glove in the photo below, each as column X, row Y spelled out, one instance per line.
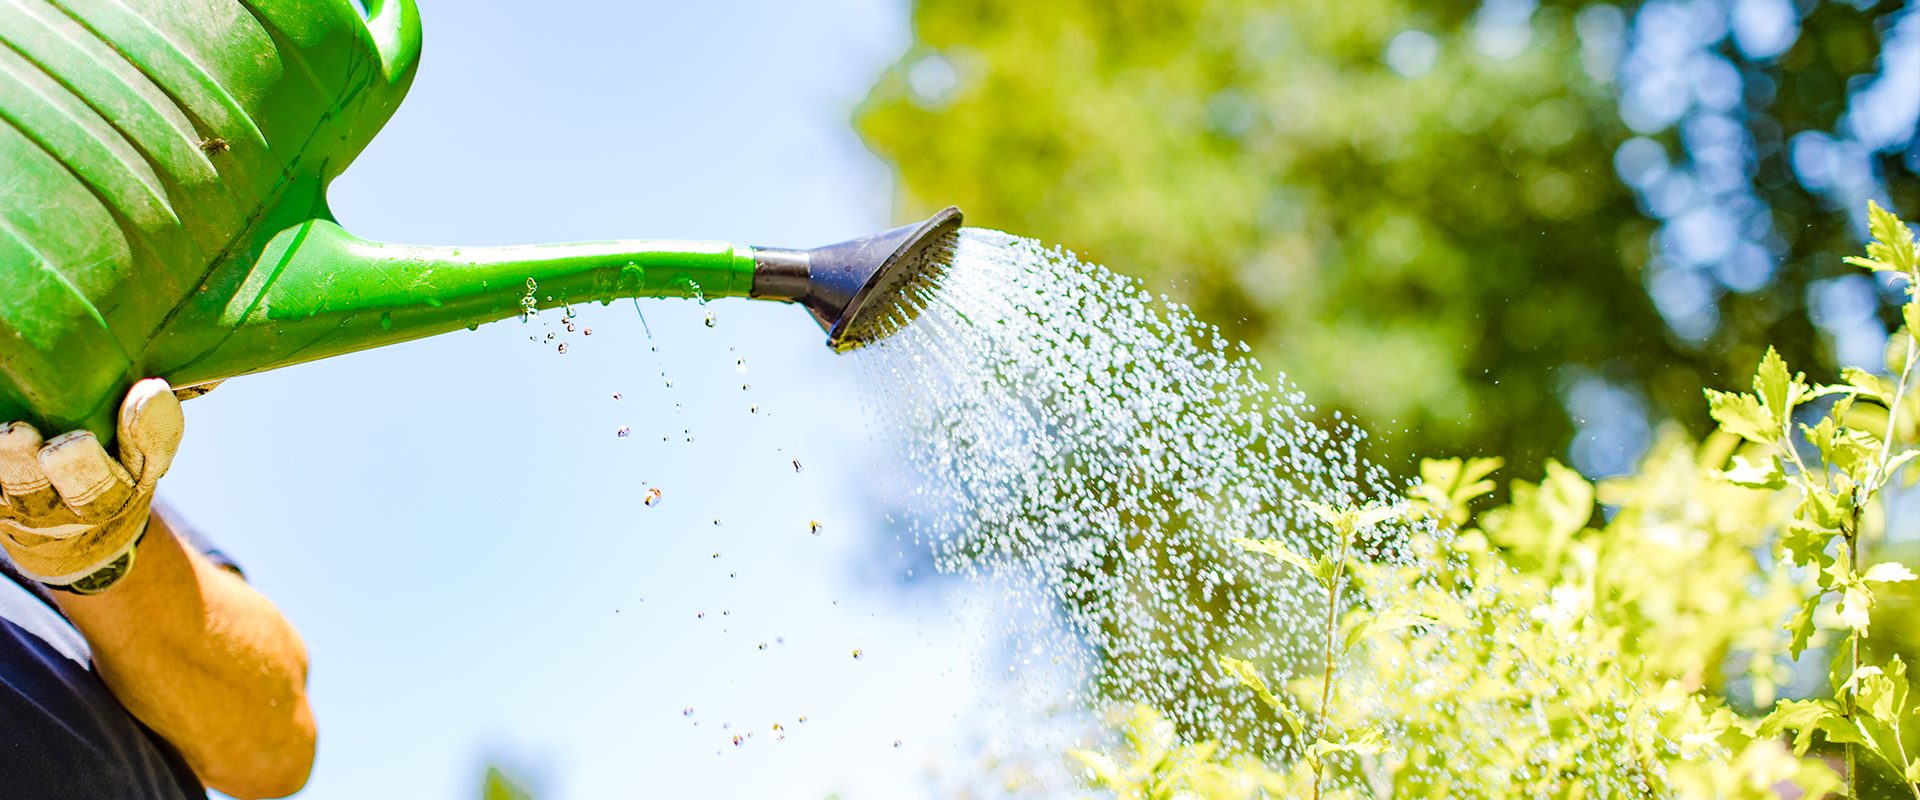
column 69, row 513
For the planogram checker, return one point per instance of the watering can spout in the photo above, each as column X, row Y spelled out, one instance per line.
column 319, row 291
column 864, row 289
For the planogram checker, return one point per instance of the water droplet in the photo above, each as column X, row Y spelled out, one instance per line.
column 796, row 465
column 586, row 332
column 616, row 395
column 562, row 348
column 763, row 645
column 709, row 319
column 653, row 496
column 386, row 320
column 686, row 712
column 858, row 653
column 813, row 527
column 622, row 433
column 740, row 365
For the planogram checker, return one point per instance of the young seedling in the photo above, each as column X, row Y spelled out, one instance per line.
column 1330, row 572
column 1856, row 459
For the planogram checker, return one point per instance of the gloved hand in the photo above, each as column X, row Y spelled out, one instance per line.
column 69, row 511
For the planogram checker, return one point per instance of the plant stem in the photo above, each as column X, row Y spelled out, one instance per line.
column 1326, row 678
column 1893, row 414
column 1905, row 763
column 1852, row 535
column 1853, row 645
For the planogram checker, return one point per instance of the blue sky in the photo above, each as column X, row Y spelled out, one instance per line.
column 454, row 524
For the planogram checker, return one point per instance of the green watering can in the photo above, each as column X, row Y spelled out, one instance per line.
column 163, row 210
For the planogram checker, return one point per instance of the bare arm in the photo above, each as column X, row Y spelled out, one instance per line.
column 208, row 663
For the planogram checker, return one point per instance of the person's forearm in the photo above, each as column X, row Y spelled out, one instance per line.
column 208, row 663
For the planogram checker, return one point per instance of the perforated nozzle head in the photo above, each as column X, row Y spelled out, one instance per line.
column 865, row 289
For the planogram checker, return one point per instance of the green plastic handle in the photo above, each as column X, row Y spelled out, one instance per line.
column 395, row 26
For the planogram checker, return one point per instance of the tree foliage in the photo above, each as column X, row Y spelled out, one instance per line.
column 1414, row 209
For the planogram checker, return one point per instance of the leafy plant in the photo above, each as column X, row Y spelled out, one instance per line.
column 1155, row 766
column 1857, row 456
column 1614, row 639
column 1330, row 572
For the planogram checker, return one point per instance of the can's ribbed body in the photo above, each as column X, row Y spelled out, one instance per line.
column 152, row 149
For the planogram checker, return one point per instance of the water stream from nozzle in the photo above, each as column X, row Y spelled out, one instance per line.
column 1100, row 449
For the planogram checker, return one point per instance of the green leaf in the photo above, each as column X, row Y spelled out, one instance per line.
column 1853, row 681
column 1764, row 475
column 1779, row 390
column 1897, row 683
column 1822, row 508
column 1472, row 481
column 499, row 786
column 1894, row 464
column 1836, row 574
column 1294, row 723
column 1803, row 717
column 1804, row 542
column 1871, row 263
column 1894, row 242
column 1392, row 619
column 1802, row 626
column 1566, row 499
column 1149, row 735
column 1250, row 677
column 1105, row 773
column 1348, row 521
column 1866, row 384
column 1887, row 572
column 1821, row 435
column 1451, row 484
column 1743, row 416
column 1274, row 549
column 1856, row 607
column 1327, row 514
column 1910, row 313
column 1366, row 744
column 1368, row 517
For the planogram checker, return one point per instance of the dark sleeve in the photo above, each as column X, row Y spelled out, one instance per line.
column 192, row 537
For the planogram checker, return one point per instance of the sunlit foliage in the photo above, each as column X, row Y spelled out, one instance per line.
column 1480, row 226
column 1636, row 637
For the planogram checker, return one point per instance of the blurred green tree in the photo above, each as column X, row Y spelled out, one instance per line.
column 1478, row 227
